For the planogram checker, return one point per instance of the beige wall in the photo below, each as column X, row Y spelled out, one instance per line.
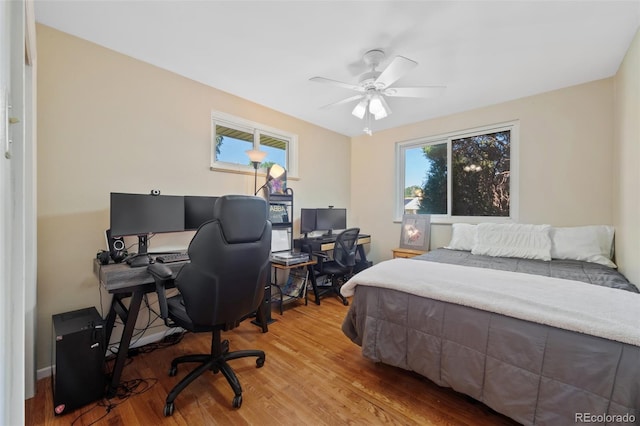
column 627, row 158
column 566, row 163
column 109, row 123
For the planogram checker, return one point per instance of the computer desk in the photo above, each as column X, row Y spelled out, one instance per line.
column 310, row 245
column 124, row 282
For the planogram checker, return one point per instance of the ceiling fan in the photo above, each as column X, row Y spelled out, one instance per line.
column 374, row 86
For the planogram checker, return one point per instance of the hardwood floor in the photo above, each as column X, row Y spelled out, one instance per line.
column 313, row 375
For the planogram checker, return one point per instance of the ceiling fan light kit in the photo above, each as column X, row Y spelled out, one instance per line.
column 373, row 86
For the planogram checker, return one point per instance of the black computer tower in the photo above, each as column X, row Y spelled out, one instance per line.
column 78, row 358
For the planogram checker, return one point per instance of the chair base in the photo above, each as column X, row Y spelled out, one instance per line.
column 216, row 361
column 336, row 284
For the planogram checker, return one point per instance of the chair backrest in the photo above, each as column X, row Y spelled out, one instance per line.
column 344, row 253
column 229, row 268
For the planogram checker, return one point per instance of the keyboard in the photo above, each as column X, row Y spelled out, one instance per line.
column 172, row 257
column 324, row 238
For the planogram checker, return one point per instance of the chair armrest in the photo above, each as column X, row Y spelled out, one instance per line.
column 163, row 277
column 321, row 258
column 160, row 271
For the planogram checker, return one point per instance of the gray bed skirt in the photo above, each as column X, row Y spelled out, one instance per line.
column 530, row 372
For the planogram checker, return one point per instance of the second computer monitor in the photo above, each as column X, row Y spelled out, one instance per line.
column 307, row 220
column 330, row 219
column 197, row 210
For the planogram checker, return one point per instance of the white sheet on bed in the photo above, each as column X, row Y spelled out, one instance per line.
column 599, row 311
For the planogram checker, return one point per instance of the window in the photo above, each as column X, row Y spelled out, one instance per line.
column 233, row 136
column 459, row 177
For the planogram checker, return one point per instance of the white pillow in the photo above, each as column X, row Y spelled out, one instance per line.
column 463, row 236
column 587, row 243
column 513, row 240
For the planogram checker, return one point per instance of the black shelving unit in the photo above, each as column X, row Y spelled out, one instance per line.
column 281, row 212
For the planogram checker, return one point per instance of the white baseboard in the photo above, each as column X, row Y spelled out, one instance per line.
column 143, row 341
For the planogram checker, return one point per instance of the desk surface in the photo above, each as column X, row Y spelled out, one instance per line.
column 120, row 277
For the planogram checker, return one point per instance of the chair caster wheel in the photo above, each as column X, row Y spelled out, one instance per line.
column 173, row 371
column 168, row 409
column 345, row 302
column 259, row 362
column 237, row 401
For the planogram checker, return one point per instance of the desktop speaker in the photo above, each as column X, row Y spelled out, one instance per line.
column 116, row 247
column 78, row 355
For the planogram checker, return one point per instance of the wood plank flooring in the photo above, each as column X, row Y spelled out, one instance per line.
column 313, row 375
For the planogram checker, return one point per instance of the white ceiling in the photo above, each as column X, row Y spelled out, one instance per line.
column 485, row 52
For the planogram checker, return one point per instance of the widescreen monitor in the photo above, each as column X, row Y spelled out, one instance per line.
column 330, row 219
column 143, row 214
column 307, row 220
column 197, row 210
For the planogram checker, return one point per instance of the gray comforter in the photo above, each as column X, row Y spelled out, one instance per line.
column 533, row 373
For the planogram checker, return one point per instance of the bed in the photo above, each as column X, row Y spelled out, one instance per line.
column 545, row 342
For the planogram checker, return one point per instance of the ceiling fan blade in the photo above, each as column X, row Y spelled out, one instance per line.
column 396, row 69
column 337, row 83
column 343, row 101
column 415, row 92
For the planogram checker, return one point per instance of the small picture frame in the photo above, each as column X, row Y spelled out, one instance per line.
column 415, row 232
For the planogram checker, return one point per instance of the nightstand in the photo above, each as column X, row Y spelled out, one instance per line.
column 406, row 253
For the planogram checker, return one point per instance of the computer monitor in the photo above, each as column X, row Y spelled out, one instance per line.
column 307, row 221
column 143, row 214
column 330, row 219
column 197, row 210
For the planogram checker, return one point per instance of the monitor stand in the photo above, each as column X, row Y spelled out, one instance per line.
column 143, row 243
column 142, row 258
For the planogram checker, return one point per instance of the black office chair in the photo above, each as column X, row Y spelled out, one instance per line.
column 222, row 285
column 340, row 269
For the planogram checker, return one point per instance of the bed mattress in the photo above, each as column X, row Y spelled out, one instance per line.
column 532, row 372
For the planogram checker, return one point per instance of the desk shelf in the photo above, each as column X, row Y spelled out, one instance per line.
column 294, row 289
column 285, row 294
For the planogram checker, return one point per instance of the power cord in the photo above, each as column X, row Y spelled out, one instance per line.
column 125, row 390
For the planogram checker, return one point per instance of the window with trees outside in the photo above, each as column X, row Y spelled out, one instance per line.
column 233, row 136
column 459, row 177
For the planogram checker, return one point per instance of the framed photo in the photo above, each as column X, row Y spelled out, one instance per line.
column 415, row 232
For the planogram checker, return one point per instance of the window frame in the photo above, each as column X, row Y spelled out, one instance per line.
column 402, row 146
column 257, row 129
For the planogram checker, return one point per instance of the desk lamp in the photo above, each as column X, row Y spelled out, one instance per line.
column 274, row 172
column 255, row 156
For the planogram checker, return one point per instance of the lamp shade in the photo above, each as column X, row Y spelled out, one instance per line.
column 275, row 171
column 360, row 109
column 375, row 106
column 256, row 156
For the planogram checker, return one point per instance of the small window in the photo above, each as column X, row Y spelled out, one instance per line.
column 232, row 137
column 276, row 149
column 459, row 176
column 231, row 144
